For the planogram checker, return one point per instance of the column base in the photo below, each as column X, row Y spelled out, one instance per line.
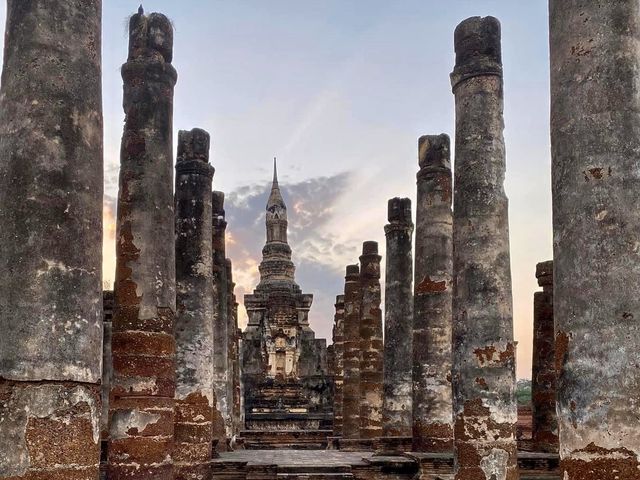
column 50, row 430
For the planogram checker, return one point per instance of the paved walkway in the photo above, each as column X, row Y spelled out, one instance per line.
column 295, row 457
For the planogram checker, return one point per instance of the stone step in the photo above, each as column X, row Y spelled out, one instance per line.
column 326, row 468
column 522, row 477
column 284, row 433
column 542, row 476
column 315, row 476
column 532, row 465
column 284, row 446
column 285, row 439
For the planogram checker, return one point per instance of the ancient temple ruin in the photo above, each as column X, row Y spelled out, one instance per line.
column 154, row 380
column 284, row 366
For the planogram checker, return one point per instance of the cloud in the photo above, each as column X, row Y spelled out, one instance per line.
column 108, row 241
column 318, row 252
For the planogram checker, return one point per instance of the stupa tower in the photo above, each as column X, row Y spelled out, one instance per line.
column 283, row 364
column 276, row 269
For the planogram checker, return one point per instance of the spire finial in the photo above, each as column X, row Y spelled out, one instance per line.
column 275, row 171
column 140, row 10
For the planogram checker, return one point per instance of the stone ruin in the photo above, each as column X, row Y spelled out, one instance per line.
column 155, row 381
column 287, row 390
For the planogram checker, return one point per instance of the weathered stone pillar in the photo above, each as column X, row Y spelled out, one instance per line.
column 51, row 186
column 544, row 378
column 234, row 350
column 338, row 347
column 484, row 352
column 351, row 380
column 371, row 363
column 398, row 325
column 141, row 422
column 432, row 395
column 195, row 399
column 221, row 322
column 107, row 368
column 595, row 147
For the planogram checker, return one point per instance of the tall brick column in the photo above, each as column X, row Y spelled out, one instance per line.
column 432, row 395
column 234, row 351
column 483, row 348
column 351, row 380
column 51, row 185
column 107, row 370
column 338, row 346
column 595, row 150
column 222, row 373
column 195, row 399
column 398, row 325
column 544, row 378
column 371, row 363
column 143, row 346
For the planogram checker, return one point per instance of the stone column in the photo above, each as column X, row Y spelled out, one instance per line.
column 432, row 395
column 371, row 363
column 234, row 349
column 51, row 185
column 141, row 422
column 338, row 346
column 195, row 400
column 221, row 321
column 543, row 378
column 351, row 381
column 484, row 351
column 398, row 324
column 595, row 148
column 107, row 369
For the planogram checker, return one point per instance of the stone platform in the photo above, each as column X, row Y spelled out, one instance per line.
column 334, row 464
column 285, row 439
column 311, row 465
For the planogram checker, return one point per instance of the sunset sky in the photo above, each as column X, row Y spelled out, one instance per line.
column 339, row 91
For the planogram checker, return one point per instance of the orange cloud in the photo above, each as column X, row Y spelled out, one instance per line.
column 108, row 245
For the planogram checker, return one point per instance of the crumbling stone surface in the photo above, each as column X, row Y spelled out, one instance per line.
column 596, row 219
column 49, row 430
column 221, row 323
column 195, row 398
column 483, row 348
column 51, row 195
column 398, row 325
column 141, row 423
column 51, row 185
column 351, row 381
column 371, row 363
column 543, row 375
column 338, row 354
column 433, row 289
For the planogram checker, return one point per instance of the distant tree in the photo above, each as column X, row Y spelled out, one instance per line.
column 523, row 392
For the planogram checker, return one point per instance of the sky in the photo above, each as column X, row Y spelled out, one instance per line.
column 339, row 91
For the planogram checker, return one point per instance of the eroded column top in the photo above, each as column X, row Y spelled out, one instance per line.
column 544, row 273
column 217, row 198
column 193, row 152
column 352, row 273
column 370, row 261
column 434, row 151
column 399, row 211
column 150, row 36
column 478, row 49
